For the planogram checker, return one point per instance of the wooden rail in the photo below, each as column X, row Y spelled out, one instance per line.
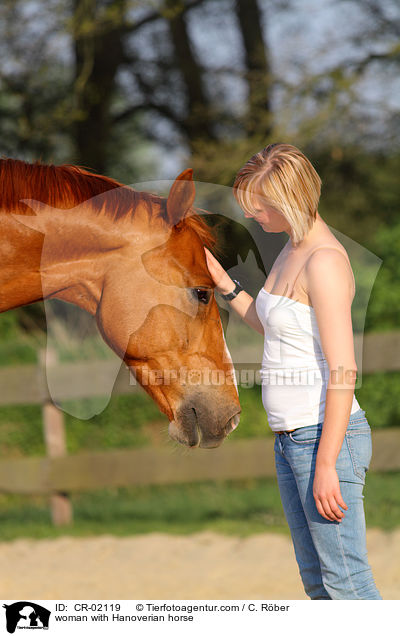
column 26, row 384
column 241, row 459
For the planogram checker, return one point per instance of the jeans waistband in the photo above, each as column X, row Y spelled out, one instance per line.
column 354, row 417
column 357, row 415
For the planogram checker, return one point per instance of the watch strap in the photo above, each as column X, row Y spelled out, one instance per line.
column 238, row 288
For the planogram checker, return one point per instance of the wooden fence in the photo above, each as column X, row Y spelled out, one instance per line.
column 57, row 474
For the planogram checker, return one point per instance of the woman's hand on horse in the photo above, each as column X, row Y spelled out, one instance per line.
column 223, row 282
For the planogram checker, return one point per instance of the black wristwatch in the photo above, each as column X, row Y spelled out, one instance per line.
column 234, row 293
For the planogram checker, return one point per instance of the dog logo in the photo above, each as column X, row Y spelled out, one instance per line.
column 26, row 615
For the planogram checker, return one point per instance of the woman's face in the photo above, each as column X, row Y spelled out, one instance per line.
column 268, row 217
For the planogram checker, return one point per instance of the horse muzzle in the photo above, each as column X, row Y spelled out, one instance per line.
column 199, row 427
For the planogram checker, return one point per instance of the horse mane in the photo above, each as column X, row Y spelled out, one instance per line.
column 67, row 186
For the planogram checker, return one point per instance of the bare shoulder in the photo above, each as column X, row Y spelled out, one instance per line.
column 331, row 252
column 330, row 262
column 327, row 245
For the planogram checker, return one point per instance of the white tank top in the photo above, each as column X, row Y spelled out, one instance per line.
column 294, row 371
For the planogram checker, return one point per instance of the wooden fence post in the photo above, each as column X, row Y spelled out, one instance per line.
column 55, row 441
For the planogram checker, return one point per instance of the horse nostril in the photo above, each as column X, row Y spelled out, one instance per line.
column 236, row 420
column 196, row 424
column 232, row 423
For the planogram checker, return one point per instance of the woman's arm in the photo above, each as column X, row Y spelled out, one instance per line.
column 243, row 304
column 331, row 288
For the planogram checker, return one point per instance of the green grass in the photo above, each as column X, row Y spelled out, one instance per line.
column 238, row 508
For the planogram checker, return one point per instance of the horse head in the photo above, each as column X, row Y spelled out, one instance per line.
column 158, row 312
column 136, row 262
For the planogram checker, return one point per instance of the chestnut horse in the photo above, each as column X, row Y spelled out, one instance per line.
column 136, row 262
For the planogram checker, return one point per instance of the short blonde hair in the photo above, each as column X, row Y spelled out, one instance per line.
column 284, row 179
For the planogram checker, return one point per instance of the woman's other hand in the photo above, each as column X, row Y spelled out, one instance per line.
column 327, row 495
column 223, row 282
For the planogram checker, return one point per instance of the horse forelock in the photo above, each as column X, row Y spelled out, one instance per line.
column 67, row 186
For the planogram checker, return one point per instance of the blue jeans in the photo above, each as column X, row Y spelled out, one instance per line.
column 331, row 555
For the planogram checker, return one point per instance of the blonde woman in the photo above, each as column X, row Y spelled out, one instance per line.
column 322, row 437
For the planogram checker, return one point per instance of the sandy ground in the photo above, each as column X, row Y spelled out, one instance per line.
column 205, row 565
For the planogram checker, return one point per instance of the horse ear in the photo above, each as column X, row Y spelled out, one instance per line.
column 181, row 197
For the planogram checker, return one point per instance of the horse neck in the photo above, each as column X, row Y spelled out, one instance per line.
column 54, row 256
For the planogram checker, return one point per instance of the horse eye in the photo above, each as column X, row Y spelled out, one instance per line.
column 202, row 295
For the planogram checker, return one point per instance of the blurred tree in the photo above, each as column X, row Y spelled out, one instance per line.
column 94, row 65
column 258, row 114
column 34, row 81
column 98, row 29
column 78, row 78
column 198, row 117
column 102, row 83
